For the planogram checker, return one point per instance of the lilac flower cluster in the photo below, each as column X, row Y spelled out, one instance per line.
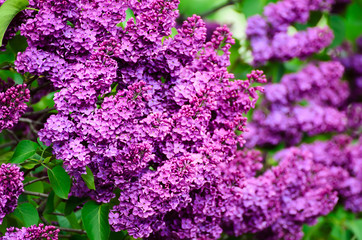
column 34, row 232
column 282, row 116
column 151, row 115
column 11, row 186
column 268, row 34
column 276, row 204
column 12, row 104
column 343, row 157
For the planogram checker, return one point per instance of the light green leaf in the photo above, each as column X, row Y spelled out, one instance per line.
column 8, row 11
column 251, row 7
column 60, row 181
column 129, row 15
column 24, row 150
column 356, row 227
column 89, row 179
column 95, row 220
column 27, row 213
column 29, row 165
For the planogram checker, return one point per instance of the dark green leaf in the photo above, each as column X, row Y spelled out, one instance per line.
column 118, row 235
column 18, row 44
column 71, row 204
column 8, row 11
column 338, row 26
column 60, row 181
column 24, row 150
column 89, row 179
column 95, row 220
column 27, row 213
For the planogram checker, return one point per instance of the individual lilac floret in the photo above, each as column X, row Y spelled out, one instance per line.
column 11, row 186
column 12, row 104
column 34, row 232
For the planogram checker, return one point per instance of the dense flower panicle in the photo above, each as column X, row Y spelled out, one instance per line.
column 11, row 186
column 147, row 113
column 305, row 194
column 286, row 119
column 268, row 34
column 345, row 157
column 283, row 13
column 34, row 232
column 277, row 203
column 156, row 117
column 354, row 116
column 12, row 104
column 302, row 44
column 352, row 61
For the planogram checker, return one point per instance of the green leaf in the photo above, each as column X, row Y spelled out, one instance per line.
column 27, row 213
column 45, row 102
column 34, row 187
column 60, row 181
column 18, row 44
column 29, row 165
column 129, row 15
column 338, row 26
column 118, row 235
column 6, row 74
column 356, row 227
column 89, row 179
column 95, row 220
column 8, row 11
column 71, row 204
column 251, row 7
column 4, row 158
column 24, row 150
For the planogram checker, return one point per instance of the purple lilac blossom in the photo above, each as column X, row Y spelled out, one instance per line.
column 305, row 194
column 268, row 35
column 150, row 115
column 277, row 203
column 12, row 104
column 34, row 232
column 341, row 155
column 11, row 186
column 282, row 118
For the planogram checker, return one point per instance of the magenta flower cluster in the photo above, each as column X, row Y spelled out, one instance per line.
column 311, row 101
column 156, row 118
column 34, row 232
column 11, row 186
column 344, row 157
column 268, row 34
column 12, row 104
